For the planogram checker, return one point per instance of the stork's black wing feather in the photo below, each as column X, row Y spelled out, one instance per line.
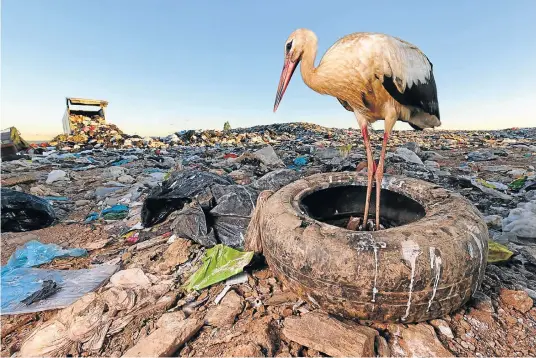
column 422, row 95
column 345, row 105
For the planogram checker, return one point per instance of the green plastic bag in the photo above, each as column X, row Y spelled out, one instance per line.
column 517, row 184
column 498, row 252
column 219, row 263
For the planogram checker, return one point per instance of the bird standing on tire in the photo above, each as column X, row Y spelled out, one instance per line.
column 373, row 75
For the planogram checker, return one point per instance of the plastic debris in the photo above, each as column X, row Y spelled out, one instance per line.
column 219, row 263
column 56, row 175
column 517, row 184
column 34, row 253
column 300, row 161
column 497, row 252
column 48, row 289
column 179, row 189
column 24, row 212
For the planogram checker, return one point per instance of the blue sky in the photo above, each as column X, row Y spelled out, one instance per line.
column 171, row 65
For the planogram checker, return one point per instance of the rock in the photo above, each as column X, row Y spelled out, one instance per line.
column 81, row 202
column 170, row 319
column 166, row 340
column 276, row 179
column 177, row 253
column 482, row 302
column 442, row 328
column 130, row 278
column 226, row 312
column 56, row 175
column 268, row 156
column 382, row 347
column 330, row 336
column 408, row 156
column 417, row 340
column 244, row 350
column 493, row 221
column 481, row 156
column 518, row 300
column 126, row 179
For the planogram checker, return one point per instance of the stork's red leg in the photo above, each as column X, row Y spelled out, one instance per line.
column 370, row 172
column 379, row 177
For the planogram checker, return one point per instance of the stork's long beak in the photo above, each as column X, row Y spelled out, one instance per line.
column 286, row 75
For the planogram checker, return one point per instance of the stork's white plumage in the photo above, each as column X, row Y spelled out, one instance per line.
column 375, row 76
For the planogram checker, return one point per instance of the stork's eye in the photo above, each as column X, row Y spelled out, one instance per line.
column 289, row 46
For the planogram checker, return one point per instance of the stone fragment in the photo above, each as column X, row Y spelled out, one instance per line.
column 130, row 278
column 518, row 300
column 244, row 350
column 417, row 340
column 166, row 340
column 226, row 312
column 330, row 336
column 442, row 327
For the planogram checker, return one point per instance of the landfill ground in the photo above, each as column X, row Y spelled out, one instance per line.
column 146, row 311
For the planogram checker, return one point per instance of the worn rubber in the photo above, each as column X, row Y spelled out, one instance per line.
column 387, row 275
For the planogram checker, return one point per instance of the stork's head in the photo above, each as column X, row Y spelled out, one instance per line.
column 293, row 50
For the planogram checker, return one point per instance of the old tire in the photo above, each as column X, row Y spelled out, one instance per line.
column 409, row 273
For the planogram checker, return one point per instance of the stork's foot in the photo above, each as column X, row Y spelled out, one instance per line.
column 356, row 224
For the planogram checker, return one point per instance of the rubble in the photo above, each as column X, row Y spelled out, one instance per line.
column 330, row 336
column 117, row 199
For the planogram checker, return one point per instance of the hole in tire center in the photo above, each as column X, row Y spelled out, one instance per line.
column 335, row 206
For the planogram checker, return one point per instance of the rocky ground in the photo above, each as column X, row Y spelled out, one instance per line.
column 144, row 310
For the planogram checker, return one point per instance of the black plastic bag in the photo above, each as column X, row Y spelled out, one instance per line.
column 191, row 224
column 25, row 212
column 231, row 215
column 179, row 189
column 276, row 179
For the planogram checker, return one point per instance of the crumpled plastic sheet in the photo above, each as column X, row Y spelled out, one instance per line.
column 181, row 188
column 20, row 283
column 191, row 224
column 219, row 263
column 235, row 204
column 35, row 253
column 19, row 280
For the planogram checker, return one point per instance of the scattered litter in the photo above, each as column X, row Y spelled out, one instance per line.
column 24, row 212
column 219, row 263
column 21, row 283
column 497, row 252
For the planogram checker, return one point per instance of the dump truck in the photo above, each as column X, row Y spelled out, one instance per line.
column 79, row 108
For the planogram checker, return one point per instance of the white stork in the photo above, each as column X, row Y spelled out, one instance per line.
column 375, row 76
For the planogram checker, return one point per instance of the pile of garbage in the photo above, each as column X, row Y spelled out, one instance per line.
column 158, row 228
column 88, row 131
